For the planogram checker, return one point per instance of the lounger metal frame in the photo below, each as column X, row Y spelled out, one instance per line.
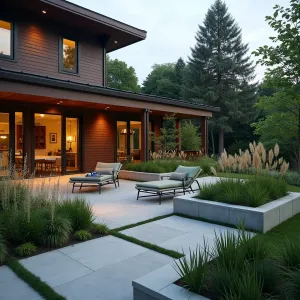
column 186, row 187
column 114, row 180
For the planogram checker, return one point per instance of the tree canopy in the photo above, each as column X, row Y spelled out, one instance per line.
column 281, row 123
column 220, row 71
column 120, row 76
column 165, row 80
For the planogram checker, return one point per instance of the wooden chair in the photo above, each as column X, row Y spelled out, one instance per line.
column 57, row 164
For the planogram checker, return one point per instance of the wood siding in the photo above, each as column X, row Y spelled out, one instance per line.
column 99, row 139
column 37, row 51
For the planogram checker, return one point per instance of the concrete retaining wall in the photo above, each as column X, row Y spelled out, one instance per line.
column 262, row 218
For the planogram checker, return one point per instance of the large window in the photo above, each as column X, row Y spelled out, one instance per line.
column 69, row 56
column 6, row 39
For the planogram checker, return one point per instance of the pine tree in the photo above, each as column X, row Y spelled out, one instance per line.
column 220, row 72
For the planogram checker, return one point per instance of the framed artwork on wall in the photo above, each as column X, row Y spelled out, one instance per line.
column 53, row 138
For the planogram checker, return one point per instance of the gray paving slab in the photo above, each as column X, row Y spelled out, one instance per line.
column 13, row 288
column 98, row 253
column 114, row 282
column 55, row 267
column 153, row 233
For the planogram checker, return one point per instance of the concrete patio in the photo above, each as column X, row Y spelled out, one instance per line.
column 104, row 268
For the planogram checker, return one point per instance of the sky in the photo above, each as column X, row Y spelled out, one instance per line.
column 171, row 26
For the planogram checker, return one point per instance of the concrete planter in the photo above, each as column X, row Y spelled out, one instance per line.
column 140, row 176
column 159, row 285
column 262, row 218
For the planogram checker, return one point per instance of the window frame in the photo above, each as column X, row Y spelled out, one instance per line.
column 12, row 41
column 61, row 56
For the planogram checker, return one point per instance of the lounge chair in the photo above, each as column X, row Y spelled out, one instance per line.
column 108, row 174
column 180, row 181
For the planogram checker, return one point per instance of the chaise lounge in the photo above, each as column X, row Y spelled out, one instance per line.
column 180, row 181
column 107, row 173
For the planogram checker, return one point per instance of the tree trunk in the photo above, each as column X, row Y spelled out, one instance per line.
column 221, row 141
column 212, row 142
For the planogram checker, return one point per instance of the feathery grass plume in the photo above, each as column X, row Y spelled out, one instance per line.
column 224, row 159
column 263, row 155
column 213, row 170
column 256, row 161
column 280, row 160
column 221, row 165
column 267, row 167
column 259, row 148
column 271, row 157
column 274, row 166
column 276, row 150
column 251, row 147
column 254, row 144
column 284, row 167
column 240, row 152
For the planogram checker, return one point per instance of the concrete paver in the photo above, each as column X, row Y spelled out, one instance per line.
column 14, row 288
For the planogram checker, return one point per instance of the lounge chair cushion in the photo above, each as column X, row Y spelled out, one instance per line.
column 113, row 166
column 90, row 179
column 191, row 171
column 178, row 176
column 159, row 185
column 105, row 171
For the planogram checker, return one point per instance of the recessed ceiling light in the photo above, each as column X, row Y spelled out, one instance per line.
column 58, row 102
column 42, row 115
column 116, row 42
column 44, row 12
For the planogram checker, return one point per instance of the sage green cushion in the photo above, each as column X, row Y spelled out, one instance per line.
column 191, row 171
column 90, row 179
column 113, row 166
column 159, row 185
column 178, row 176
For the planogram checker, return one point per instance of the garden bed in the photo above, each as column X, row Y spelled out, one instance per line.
column 263, row 267
column 262, row 218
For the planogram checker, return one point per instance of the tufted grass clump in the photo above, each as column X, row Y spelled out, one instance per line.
column 100, row 228
column 26, row 249
column 82, row 235
column 78, row 210
column 253, row 192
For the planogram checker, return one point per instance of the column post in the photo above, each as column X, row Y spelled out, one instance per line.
column 145, row 135
column 178, row 132
column 204, row 134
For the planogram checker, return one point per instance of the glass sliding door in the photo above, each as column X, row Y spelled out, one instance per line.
column 121, row 141
column 72, row 144
column 4, row 143
column 135, row 141
column 47, row 141
column 19, row 156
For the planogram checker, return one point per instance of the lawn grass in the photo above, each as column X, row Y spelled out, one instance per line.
column 275, row 237
column 35, row 282
column 291, row 188
column 150, row 246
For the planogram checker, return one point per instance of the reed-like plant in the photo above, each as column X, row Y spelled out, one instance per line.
column 100, row 228
column 255, row 158
column 289, row 253
column 292, row 286
column 256, row 194
column 78, row 210
column 26, row 249
column 193, row 269
column 82, row 235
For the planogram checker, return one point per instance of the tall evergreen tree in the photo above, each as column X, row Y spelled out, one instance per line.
column 220, row 71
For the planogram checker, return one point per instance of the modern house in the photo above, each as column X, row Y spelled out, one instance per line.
column 55, row 106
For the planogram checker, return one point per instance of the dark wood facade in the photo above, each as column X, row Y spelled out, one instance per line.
column 32, row 82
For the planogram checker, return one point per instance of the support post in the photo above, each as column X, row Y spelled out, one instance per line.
column 12, row 139
column 204, row 134
column 128, row 142
column 104, row 41
column 178, row 132
column 145, row 135
column 29, row 139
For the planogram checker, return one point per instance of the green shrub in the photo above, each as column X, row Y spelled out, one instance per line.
column 26, row 249
column 289, row 253
column 79, row 211
column 3, row 248
column 57, row 230
column 99, row 228
column 82, row 235
column 277, row 187
column 193, row 269
column 208, row 191
column 292, row 178
column 22, row 229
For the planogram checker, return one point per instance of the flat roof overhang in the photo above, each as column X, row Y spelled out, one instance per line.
column 78, row 18
column 17, row 86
